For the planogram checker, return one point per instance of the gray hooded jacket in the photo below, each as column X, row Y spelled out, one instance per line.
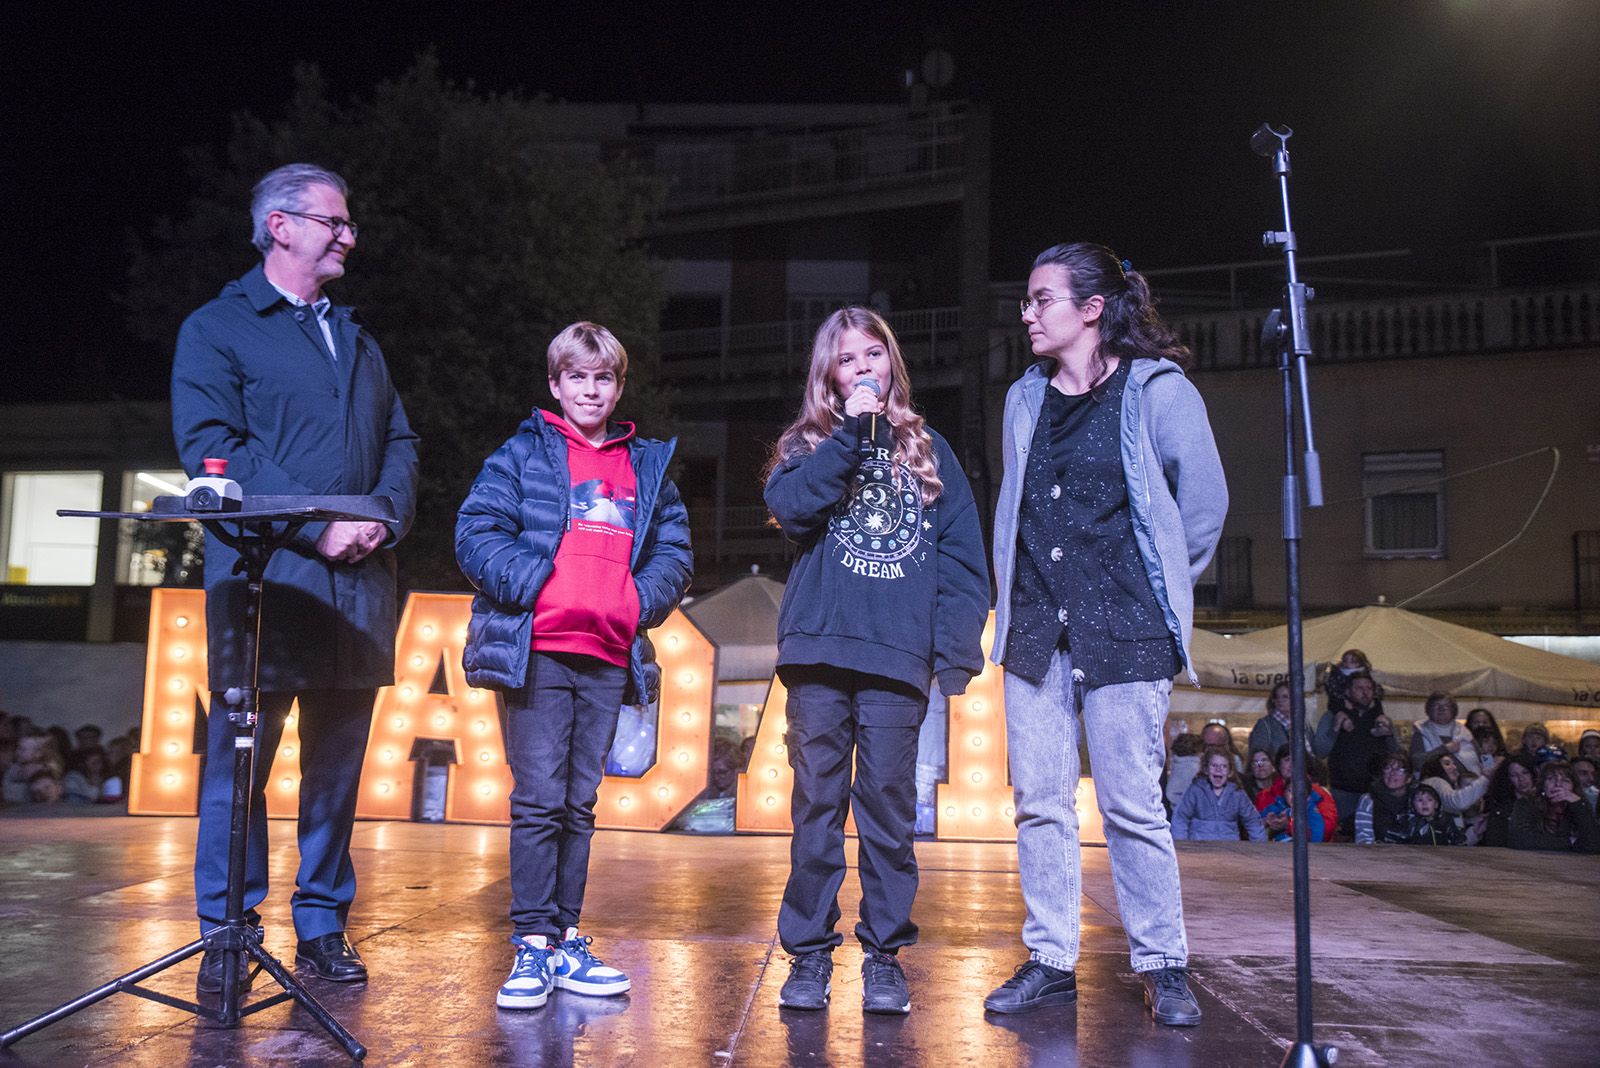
column 1177, row 517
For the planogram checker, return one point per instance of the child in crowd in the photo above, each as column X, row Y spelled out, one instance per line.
column 32, row 759
column 576, row 542
column 890, row 589
column 1322, row 817
column 1427, row 823
column 1336, row 683
column 1215, row 808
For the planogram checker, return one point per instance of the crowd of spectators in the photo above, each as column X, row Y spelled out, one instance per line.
column 46, row 765
column 1442, row 780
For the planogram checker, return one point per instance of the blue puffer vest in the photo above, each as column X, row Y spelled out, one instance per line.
column 507, row 532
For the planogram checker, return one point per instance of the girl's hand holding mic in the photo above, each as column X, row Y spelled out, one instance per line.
column 864, row 399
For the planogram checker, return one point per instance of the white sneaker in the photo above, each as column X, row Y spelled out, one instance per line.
column 528, row 987
column 580, row 971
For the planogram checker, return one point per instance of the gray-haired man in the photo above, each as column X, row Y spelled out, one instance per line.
column 294, row 393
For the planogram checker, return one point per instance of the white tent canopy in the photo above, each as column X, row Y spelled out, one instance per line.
column 1411, row 655
column 742, row 619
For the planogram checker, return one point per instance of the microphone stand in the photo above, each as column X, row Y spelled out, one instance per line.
column 261, row 527
column 1287, row 331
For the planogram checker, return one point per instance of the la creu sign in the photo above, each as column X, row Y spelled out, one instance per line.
column 974, row 804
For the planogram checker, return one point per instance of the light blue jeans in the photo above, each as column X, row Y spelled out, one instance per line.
column 1123, row 726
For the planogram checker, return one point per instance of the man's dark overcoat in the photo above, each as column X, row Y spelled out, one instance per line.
column 252, row 383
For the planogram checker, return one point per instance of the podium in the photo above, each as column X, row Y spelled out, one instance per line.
column 258, row 528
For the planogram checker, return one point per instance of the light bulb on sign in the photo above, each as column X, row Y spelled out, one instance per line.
column 181, row 622
column 399, row 723
column 407, row 692
column 624, row 801
column 172, row 747
column 417, row 661
column 486, row 789
column 174, row 716
column 388, row 756
column 480, row 726
column 285, row 783
column 427, row 630
column 177, row 686
column 169, row 779
column 439, row 721
column 772, row 800
column 179, row 652
column 661, row 792
column 977, row 706
column 485, row 756
column 385, row 787
column 288, row 750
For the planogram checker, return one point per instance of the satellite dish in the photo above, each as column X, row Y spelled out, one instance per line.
column 938, row 68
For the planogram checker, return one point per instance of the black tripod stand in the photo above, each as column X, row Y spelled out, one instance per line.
column 1287, row 333
column 260, row 528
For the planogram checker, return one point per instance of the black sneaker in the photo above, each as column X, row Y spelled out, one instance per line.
column 1167, row 994
column 810, row 981
column 1034, row 986
column 883, row 985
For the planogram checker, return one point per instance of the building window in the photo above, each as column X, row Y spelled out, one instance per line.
column 41, row 548
column 1404, row 494
column 157, row 554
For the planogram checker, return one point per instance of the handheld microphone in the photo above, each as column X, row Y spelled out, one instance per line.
column 870, row 440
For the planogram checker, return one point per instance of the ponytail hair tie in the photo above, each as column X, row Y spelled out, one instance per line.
column 1127, row 267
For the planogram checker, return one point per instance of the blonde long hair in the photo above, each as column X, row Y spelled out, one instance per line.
column 822, row 409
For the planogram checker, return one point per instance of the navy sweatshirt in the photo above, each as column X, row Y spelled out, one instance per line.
column 883, row 584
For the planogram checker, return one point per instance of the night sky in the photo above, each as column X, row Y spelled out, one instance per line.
column 1434, row 126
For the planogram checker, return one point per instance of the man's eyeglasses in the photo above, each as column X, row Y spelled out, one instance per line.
column 332, row 222
column 1037, row 306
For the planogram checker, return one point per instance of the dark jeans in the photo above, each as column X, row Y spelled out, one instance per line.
column 835, row 714
column 333, row 744
column 561, row 724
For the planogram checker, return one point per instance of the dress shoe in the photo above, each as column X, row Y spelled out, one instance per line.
column 331, row 957
column 212, row 965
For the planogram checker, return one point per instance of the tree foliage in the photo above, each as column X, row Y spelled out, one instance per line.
column 480, row 239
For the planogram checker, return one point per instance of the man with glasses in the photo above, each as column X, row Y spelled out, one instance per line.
column 293, row 392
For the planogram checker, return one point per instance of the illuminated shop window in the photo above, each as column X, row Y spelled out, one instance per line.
column 157, row 554
column 41, row 548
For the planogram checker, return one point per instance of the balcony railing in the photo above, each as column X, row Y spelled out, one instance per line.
column 1503, row 321
column 720, row 174
column 929, row 337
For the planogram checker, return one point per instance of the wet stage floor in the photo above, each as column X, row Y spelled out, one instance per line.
column 1449, row 956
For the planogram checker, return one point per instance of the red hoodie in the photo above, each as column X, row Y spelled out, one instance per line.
column 589, row 605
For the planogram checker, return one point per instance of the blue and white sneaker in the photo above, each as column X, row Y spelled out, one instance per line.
column 529, row 984
column 580, row 971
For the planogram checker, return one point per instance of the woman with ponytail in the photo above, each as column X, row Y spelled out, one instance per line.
column 1111, row 504
column 888, row 592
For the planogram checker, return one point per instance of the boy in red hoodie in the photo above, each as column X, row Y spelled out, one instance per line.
column 577, row 543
